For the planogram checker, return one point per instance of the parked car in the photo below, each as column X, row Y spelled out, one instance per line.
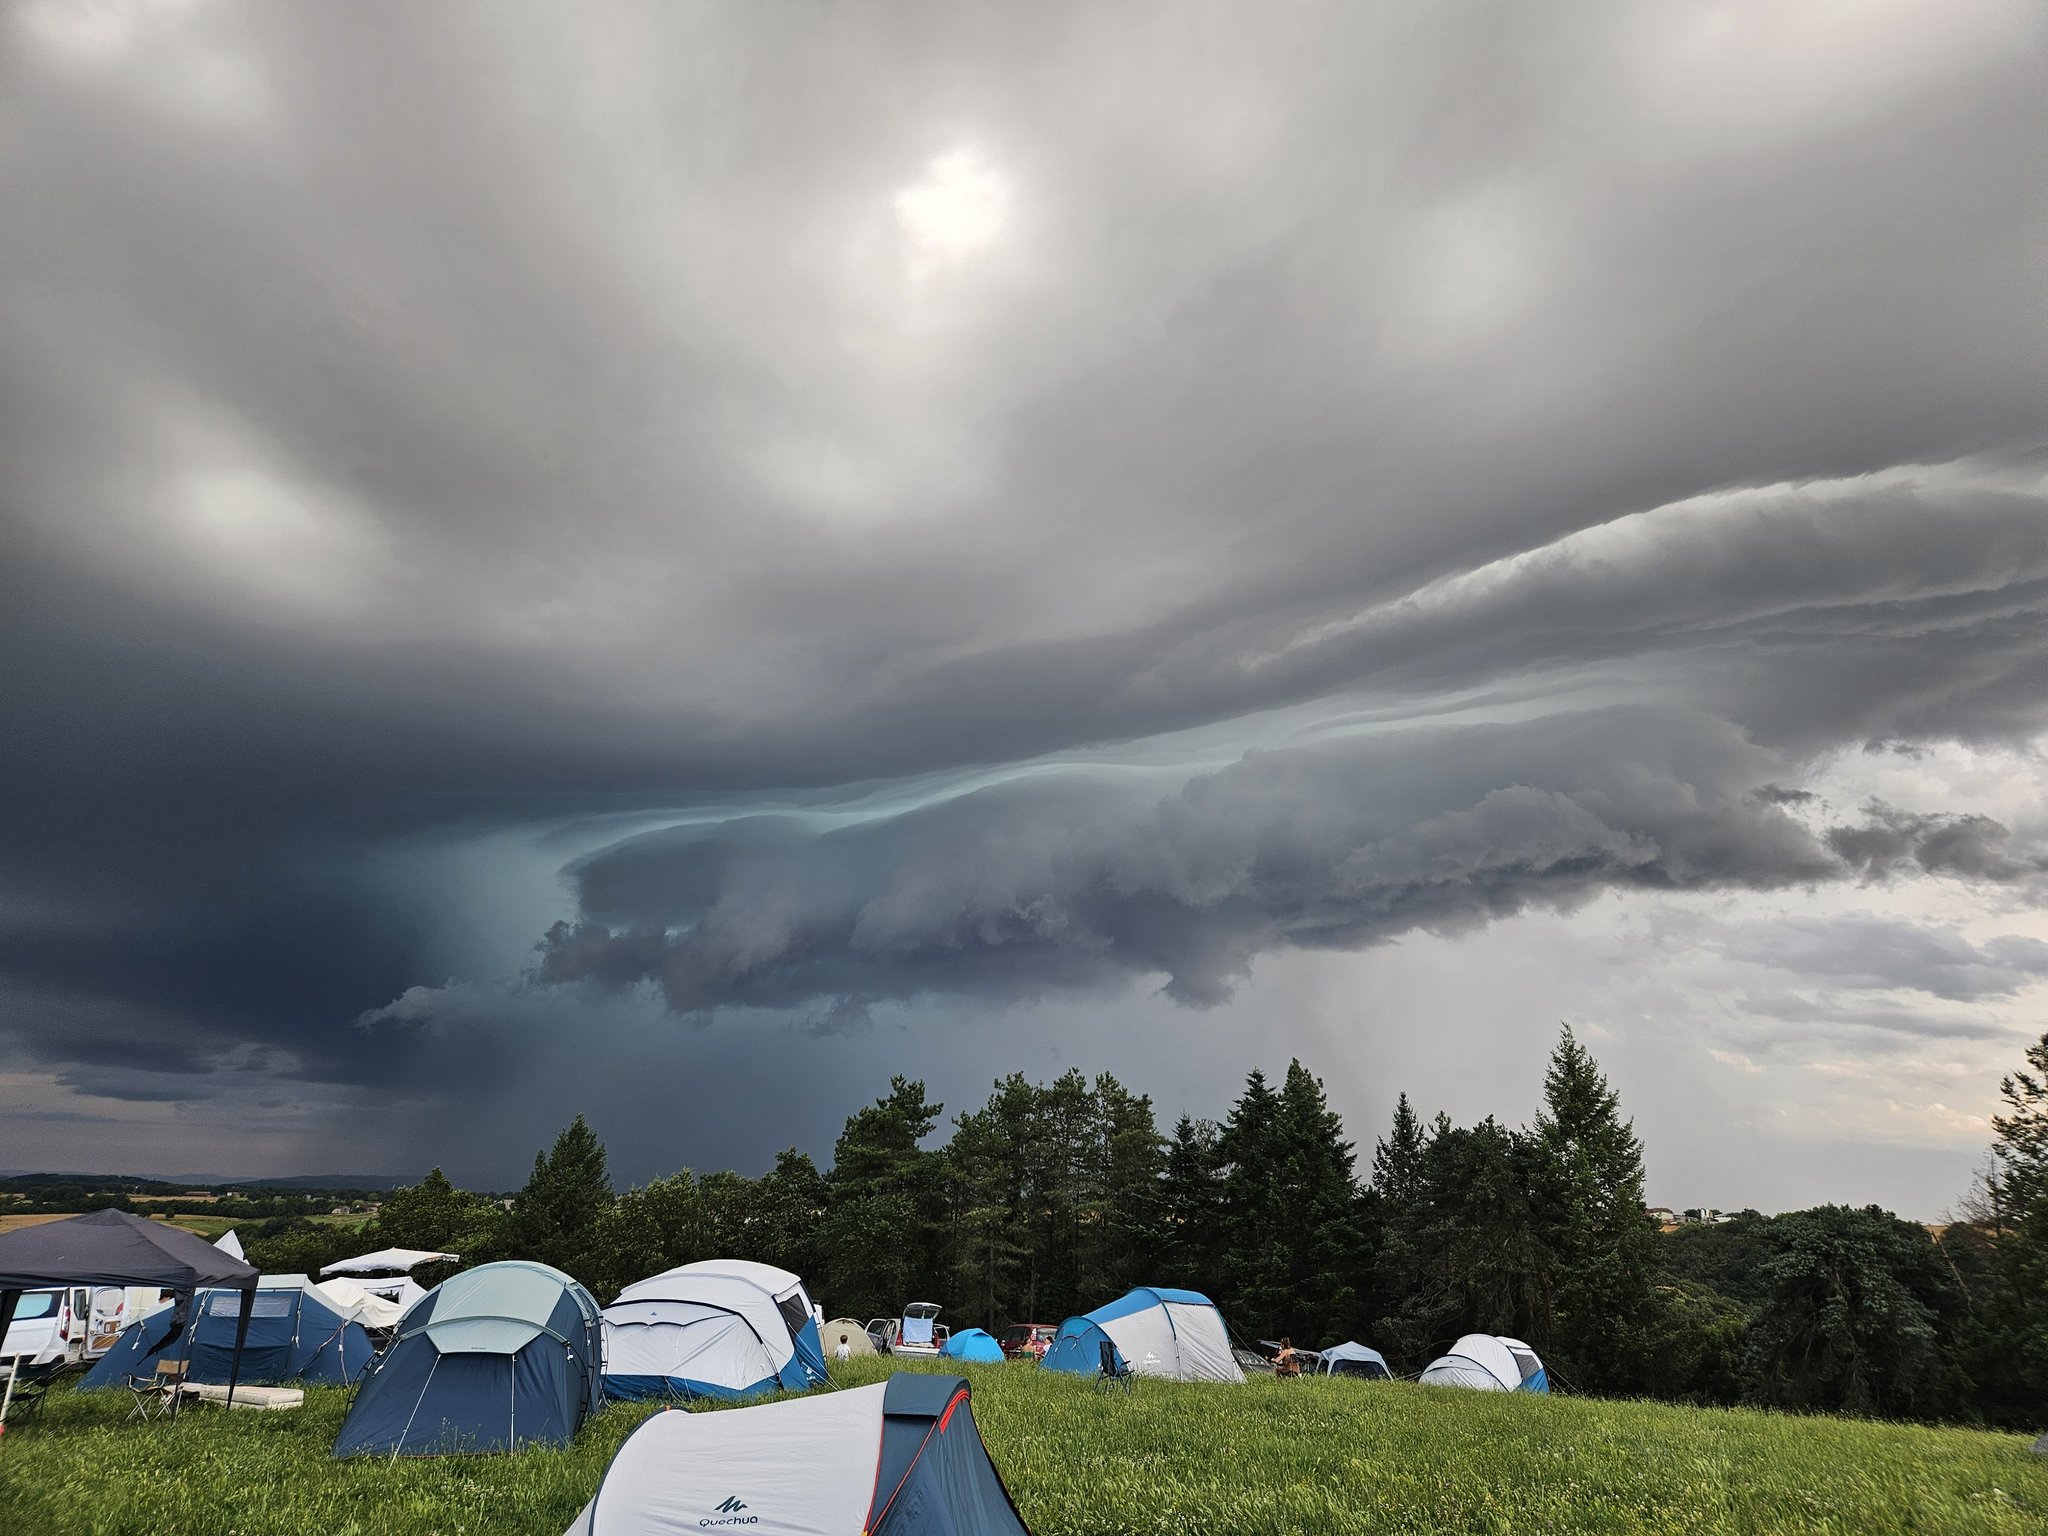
column 918, row 1332
column 1028, row 1341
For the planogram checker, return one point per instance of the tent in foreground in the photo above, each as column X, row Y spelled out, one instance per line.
column 1175, row 1334
column 296, row 1333
column 1353, row 1359
column 974, row 1345
column 719, row 1328
column 499, row 1357
column 901, row 1459
column 1487, row 1363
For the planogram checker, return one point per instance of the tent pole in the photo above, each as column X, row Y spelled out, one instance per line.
column 191, row 1330
column 241, row 1333
column 8, row 1298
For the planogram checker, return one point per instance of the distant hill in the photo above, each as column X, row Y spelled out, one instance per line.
column 176, row 1183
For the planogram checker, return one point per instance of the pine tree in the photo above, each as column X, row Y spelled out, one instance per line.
column 1596, row 1291
column 556, row 1216
column 1397, row 1268
column 1321, row 1230
column 884, row 1233
column 1190, row 1244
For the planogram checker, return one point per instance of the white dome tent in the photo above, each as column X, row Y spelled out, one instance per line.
column 1485, row 1362
column 718, row 1328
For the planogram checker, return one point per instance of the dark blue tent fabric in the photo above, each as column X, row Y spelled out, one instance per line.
column 491, row 1382
column 934, row 1476
column 141, row 1343
column 294, row 1336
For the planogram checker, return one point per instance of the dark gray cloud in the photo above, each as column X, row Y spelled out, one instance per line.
column 903, row 460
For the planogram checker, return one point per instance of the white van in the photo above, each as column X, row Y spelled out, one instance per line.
column 73, row 1323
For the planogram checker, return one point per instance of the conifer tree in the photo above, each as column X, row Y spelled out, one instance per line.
column 556, row 1216
column 1596, row 1293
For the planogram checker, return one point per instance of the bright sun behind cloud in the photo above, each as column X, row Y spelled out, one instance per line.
column 960, row 206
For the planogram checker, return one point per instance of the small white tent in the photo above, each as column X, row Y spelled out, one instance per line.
column 1485, row 1362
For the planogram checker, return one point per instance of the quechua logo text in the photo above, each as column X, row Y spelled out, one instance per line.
column 730, row 1511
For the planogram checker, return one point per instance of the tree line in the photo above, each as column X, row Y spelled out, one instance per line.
column 1051, row 1198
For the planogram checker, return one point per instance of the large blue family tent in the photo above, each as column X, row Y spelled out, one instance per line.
column 974, row 1345
column 296, row 1334
column 904, row 1458
column 1152, row 1332
column 717, row 1328
column 498, row 1357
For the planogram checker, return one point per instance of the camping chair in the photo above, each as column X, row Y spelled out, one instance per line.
column 31, row 1386
column 1112, row 1372
column 157, row 1394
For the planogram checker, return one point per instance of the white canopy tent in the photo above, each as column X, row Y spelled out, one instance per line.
column 386, row 1261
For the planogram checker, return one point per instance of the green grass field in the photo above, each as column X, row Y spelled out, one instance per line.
column 1266, row 1457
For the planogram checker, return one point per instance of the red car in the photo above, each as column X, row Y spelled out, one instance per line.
column 1027, row 1341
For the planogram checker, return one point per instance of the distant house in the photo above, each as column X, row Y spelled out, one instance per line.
column 1663, row 1215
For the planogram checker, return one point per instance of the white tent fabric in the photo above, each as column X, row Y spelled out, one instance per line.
column 1479, row 1361
column 715, row 1324
column 230, row 1244
column 359, row 1305
column 814, row 1475
column 385, row 1260
column 1180, row 1340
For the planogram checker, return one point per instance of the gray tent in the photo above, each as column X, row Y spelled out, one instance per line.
column 1353, row 1359
column 114, row 1248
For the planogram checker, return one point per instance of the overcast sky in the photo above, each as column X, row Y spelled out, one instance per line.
column 672, row 561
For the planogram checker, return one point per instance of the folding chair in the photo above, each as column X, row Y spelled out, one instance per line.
column 31, row 1386
column 157, row 1394
column 1112, row 1372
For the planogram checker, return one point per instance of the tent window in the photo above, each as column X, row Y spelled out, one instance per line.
column 794, row 1313
column 268, row 1304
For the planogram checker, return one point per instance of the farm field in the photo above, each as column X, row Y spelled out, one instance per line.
column 1268, row 1457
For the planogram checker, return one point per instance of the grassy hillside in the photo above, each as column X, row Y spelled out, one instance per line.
column 1269, row 1457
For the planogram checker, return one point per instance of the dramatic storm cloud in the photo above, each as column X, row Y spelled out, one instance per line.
column 791, row 545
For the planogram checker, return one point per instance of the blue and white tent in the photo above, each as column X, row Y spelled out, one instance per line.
column 1485, row 1362
column 1352, row 1359
column 904, row 1458
column 498, row 1357
column 296, row 1334
column 974, row 1345
column 1155, row 1332
column 718, row 1328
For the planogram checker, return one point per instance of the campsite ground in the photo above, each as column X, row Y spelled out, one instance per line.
column 1268, row 1457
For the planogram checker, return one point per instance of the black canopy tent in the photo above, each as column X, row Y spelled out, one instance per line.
column 114, row 1248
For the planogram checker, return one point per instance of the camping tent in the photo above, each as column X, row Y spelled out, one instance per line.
column 904, row 1458
column 973, row 1344
column 389, row 1261
column 501, row 1356
column 720, row 1328
column 1156, row 1332
column 296, row 1333
column 1487, row 1363
column 114, row 1248
column 363, row 1306
column 855, row 1335
column 1353, row 1359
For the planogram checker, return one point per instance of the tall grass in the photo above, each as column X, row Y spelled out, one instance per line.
column 1267, row 1457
